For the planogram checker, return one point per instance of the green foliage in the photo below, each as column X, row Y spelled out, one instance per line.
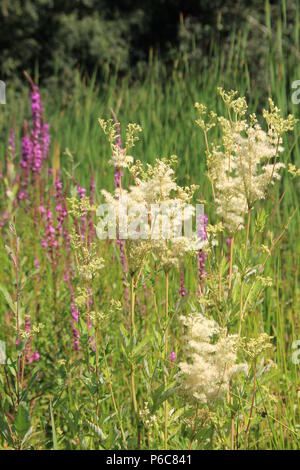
column 83, row 401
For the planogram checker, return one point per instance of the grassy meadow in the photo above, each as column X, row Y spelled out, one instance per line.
column 82, row 397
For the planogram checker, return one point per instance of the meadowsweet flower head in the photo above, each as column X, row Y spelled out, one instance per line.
column 155, row 209
column 211, row 359
column 246, row 164
column 158, row 187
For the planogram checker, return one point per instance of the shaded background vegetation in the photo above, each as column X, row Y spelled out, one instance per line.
column 52, row 37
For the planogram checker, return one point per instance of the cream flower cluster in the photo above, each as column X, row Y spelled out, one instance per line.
column 246, row 164
column 155, row 208
column 211, row 359
column 158, row 186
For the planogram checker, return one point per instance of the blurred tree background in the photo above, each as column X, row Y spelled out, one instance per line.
column 49, row 38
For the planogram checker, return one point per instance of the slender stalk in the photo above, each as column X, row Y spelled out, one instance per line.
column 132, row 309
column 211, row 181
column 230, row 263
column 166, row 355
column 272, row 173
column 241, row 307
column 15, row 258
column 232, row 434
column 194, row 428
column 111, row 389
column 252, row 406
column 242, row 281
column 18, row 295
column 247, row 232
column 97, row 370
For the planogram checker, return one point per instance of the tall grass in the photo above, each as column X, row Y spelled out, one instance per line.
column 163, row 104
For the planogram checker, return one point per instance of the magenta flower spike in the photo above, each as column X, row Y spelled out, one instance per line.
column 182, row 290
column 11, row 142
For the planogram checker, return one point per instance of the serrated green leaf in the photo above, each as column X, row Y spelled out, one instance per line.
column 22, row 421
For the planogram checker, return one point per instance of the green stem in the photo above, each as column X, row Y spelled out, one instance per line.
column 247, row 232
column 166, row 356
column 252, row 406
column 111, row 388
column 230, row 263
column 132, row 304
column 242, row 281
column 241, row 307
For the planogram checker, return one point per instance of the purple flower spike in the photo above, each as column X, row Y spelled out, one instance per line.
column 34, row 358
column 11, row 142
column 37, row 264
column 36, row 108
column 45, row 140
column 81, row 192
column 182, row 290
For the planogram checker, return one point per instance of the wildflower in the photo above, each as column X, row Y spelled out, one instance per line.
column 120, row 157
column 36, row 107
column 173, row 356
column 45, row 138
column 118, row 177
column 60, row 208
column 4, row 218
column 26, row 149
column 146, row 417
column 157, row 186
column 244, row 167
column 211, row 359
column 256, row 346
column 81, row 192
column 293, row 170
column 11, row 142
column 35, row 357
column 30, row 358
column 182, row 289
column 159, row 199
column 118, row 184
column 118, row 173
